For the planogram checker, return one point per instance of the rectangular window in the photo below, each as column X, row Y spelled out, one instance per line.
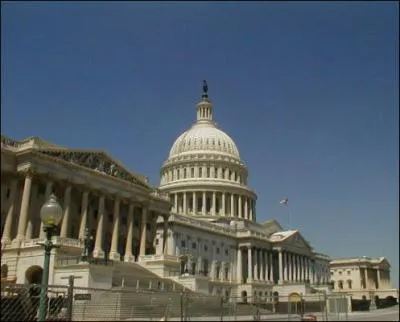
column 208, row 173
column 184, row 173
column 200, row 172
column 192, row 172
column 136, row 223
column 183, row 243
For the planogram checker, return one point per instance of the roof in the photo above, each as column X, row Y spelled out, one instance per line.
column 282, row 235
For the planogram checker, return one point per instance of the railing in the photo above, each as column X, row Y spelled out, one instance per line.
column 57, row 240
column 73, row 260
column 160, row 257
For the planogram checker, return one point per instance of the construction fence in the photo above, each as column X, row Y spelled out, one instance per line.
column 69, row 303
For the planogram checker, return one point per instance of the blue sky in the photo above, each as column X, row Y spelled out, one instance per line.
column 309, row 92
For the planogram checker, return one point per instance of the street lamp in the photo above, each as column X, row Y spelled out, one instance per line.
column 50, row 214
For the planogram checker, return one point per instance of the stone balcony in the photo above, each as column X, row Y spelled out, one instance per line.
column 158, row 258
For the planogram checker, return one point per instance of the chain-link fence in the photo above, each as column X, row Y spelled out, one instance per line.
column 69, row 303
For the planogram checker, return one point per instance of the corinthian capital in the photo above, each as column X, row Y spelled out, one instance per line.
column 28, row 172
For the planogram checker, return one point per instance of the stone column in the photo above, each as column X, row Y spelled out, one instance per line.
column 285, row 261
column 304, row 268
column 214, row 204
column 203, row 208
column 232, row 205
column 266, row 268
column 176, row 202
column 6, row 238
column 271, row 266
column 23, row 217
column 143, row 236
column 98, row 245
column 47, row 193
column 249, row 265
column 32, row 211
column 366, row 278
column 280, row 267
column 84, row 212
column 114, row 255
column 307, row 269
column 262, row 265
column 128, row 257
column 65, row 222
column 246, row 208
column 239, row 266
column 165, row 235
column 289, row 268
column 240, row 206
column 251, row 209
column 194, row 203
column 223, row 204
column 256, row 266
column 184, row 203
column 378, row 278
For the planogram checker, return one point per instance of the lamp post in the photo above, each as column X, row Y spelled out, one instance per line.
column 50, row 214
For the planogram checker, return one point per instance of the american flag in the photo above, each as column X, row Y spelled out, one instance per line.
column 284, row 201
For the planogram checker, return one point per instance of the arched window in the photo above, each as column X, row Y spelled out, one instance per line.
column 340, row 285
column 184, row 173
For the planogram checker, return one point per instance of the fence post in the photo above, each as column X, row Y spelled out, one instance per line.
column 182, row 306
column 70, row 295
column 222, row 309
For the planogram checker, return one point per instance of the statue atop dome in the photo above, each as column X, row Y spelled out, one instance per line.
column 205, row 89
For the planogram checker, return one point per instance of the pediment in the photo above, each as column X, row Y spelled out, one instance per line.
column 298, row 240
column 95, row 160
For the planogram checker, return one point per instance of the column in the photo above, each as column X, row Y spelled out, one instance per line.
column 165, row 237
column 204, row 204
column 232, row 205
column 184, row 203
column 251, row 209
column 246, row 208
column 194, row 203
column 98, row 245
column 84, row 211
column 280, row 267
column 255, row 277
column 239, row 266
column 266, row 267
column 271, row 266
column 304, row 268
column 32, row 211
column 143, row 237
column 378, row 277
column 176, row 202
column 8, row 224
column 114, row 255
column 262, row 266
column 23, row 217
column 307, row 269
column 128, row 256
column 240, row 206
column 47, row 193
column 223, row 204
column 285, row 261
column 214, row 204
column 249, row 265
column 289, row 268
column 366, row 278
column 65, row 221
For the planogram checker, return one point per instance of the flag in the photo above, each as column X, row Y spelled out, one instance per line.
column 284, row 201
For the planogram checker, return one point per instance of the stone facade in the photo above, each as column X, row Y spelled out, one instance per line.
column 360, row 276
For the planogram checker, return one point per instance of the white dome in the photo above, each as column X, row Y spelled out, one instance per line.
column 204, row 137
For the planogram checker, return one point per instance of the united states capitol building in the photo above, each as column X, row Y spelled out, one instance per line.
column 198, row 229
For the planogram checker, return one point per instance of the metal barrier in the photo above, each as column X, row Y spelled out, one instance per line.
column 71, row 303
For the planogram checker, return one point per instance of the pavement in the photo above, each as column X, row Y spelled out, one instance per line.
column 388, row 314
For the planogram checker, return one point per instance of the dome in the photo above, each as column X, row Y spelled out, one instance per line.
column 204, row 138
